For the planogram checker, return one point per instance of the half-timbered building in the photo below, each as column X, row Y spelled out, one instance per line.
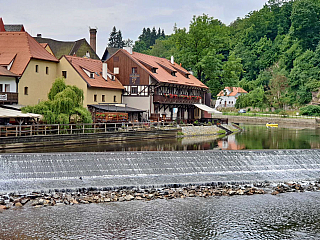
column 161, row 87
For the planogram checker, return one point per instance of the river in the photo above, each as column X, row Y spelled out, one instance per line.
column 284, row 216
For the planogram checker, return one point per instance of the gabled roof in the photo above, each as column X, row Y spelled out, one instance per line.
column 233, row 91
column 108, row 53
column 6, row 58
column 7, row 73
column 94, row 66
column 25, row 48
column 60, row 48
column 164, row 69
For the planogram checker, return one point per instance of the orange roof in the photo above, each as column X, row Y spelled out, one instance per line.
column 6, row 58
column 2, row 29
column 234, row 91
column 94, row 66
column 164, row 66
column 5, row 72
column 24, row 47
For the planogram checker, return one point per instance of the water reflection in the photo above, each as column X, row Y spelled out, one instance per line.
column 253, row 137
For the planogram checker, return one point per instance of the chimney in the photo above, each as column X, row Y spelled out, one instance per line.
column 93, row 38
column 172, row 60
column 128, row 49
column 105, row 70
column 39, row 35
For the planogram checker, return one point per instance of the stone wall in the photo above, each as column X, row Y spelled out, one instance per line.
column 199, row 130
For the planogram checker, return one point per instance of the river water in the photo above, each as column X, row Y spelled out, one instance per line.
column 285, row 216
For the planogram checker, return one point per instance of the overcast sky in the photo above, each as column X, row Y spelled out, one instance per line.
column 69, row 20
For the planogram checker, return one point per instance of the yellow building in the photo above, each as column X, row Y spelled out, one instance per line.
column 92, row 76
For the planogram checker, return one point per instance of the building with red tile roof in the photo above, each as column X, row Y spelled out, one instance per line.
column 159, row 86
column 92, row 76
column 228, row 96
column 26, row 58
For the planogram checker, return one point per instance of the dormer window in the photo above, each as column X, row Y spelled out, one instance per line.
column 91, row 75
column 173, row 73
column 187, row 75
column 154, row 70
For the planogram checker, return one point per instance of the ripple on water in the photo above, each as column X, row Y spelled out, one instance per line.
column 286, row 216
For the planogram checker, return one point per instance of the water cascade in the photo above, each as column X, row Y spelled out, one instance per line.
column 35, row 172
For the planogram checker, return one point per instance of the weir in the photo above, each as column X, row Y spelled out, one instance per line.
column 24, row 173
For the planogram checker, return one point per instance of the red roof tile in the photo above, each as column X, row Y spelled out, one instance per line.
column 6, row 58
column 234, row 91
column 164, row 67
column 25, row 48
column 94, row 66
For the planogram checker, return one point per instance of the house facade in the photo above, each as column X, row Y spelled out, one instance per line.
column 162, row 88
column 228, row 97
column 92, row 76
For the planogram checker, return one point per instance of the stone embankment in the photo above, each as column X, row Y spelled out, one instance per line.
column 94, row 195
column 204, row 130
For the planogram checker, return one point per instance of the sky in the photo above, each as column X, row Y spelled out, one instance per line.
column 70, row 20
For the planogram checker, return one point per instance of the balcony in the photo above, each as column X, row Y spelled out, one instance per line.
column 8, row 98
column 176, row 99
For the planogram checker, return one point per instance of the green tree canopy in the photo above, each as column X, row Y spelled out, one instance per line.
column 64, row 103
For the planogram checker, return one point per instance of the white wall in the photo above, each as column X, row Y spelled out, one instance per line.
column 8, row 80
column 221, row 101
column 142, row 103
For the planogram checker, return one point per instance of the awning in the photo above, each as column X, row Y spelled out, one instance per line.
column 207, row 109
column 10, row 113
column 115, row 108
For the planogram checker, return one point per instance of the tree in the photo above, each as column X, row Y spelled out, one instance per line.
column 65, row 102
column 278, row 93
column 115, row 39
column 128, row 43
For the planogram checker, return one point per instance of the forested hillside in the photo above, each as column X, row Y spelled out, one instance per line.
column 273, row 53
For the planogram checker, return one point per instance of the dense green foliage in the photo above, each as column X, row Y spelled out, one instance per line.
column 311, row 110
column 148, row 38
column 64, row 103
column 273, row 53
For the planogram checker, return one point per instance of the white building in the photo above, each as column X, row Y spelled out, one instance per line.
column 228, row 97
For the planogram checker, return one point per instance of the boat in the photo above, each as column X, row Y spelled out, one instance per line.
column 272, row 125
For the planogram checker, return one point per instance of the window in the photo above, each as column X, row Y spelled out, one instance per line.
column 64, row 74
column 103, row 98
column 173, row 73
column 154, row 70
column 134, row 90
column 91, row 75
column 116, row 70
column 134, row 70
column 26, row 90
column 7, row 88
column 47, row 70
column 95, row 97
column 114, row 98
column 37, row 68
column 1, row 87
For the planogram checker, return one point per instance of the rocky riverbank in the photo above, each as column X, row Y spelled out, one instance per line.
column 94, row 195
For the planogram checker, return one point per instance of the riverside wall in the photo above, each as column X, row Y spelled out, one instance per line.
column 304, row 122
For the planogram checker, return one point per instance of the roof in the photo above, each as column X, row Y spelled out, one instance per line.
column 10, row 113
column 207, row 108
column 115, row 108
column 164, row 69
column 60, row 48
column 233, row 91
column 94, row 66
column 7, row 73
column 108, row 53
column 14, row 28
column 6, row 58
column 24, row 47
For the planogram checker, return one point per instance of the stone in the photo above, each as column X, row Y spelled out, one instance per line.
column 129, row 197
column 275, row 193
column 18, row 204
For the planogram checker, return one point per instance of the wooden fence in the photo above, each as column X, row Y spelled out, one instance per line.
column 85, row 128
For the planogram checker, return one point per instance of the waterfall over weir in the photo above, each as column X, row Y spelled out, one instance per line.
column 34, row 172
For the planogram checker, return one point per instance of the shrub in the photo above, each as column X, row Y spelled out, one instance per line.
column 311, row 110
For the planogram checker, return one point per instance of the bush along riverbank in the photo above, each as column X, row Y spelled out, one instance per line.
column 94, row 195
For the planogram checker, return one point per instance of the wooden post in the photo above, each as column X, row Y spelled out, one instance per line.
column 30, row 130
column 105, row 127
column 16, row 131
column 58, row 129
column 94, row 127
column 83, row 128
column 71, row 129
column 45, row 129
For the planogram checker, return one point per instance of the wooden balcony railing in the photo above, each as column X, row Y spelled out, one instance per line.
column 8, row 97
column 174, row 100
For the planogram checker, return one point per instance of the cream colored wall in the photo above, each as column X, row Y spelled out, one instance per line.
column 38, row 83
column 49, row 50
column 73, row 78
column 109, row 94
